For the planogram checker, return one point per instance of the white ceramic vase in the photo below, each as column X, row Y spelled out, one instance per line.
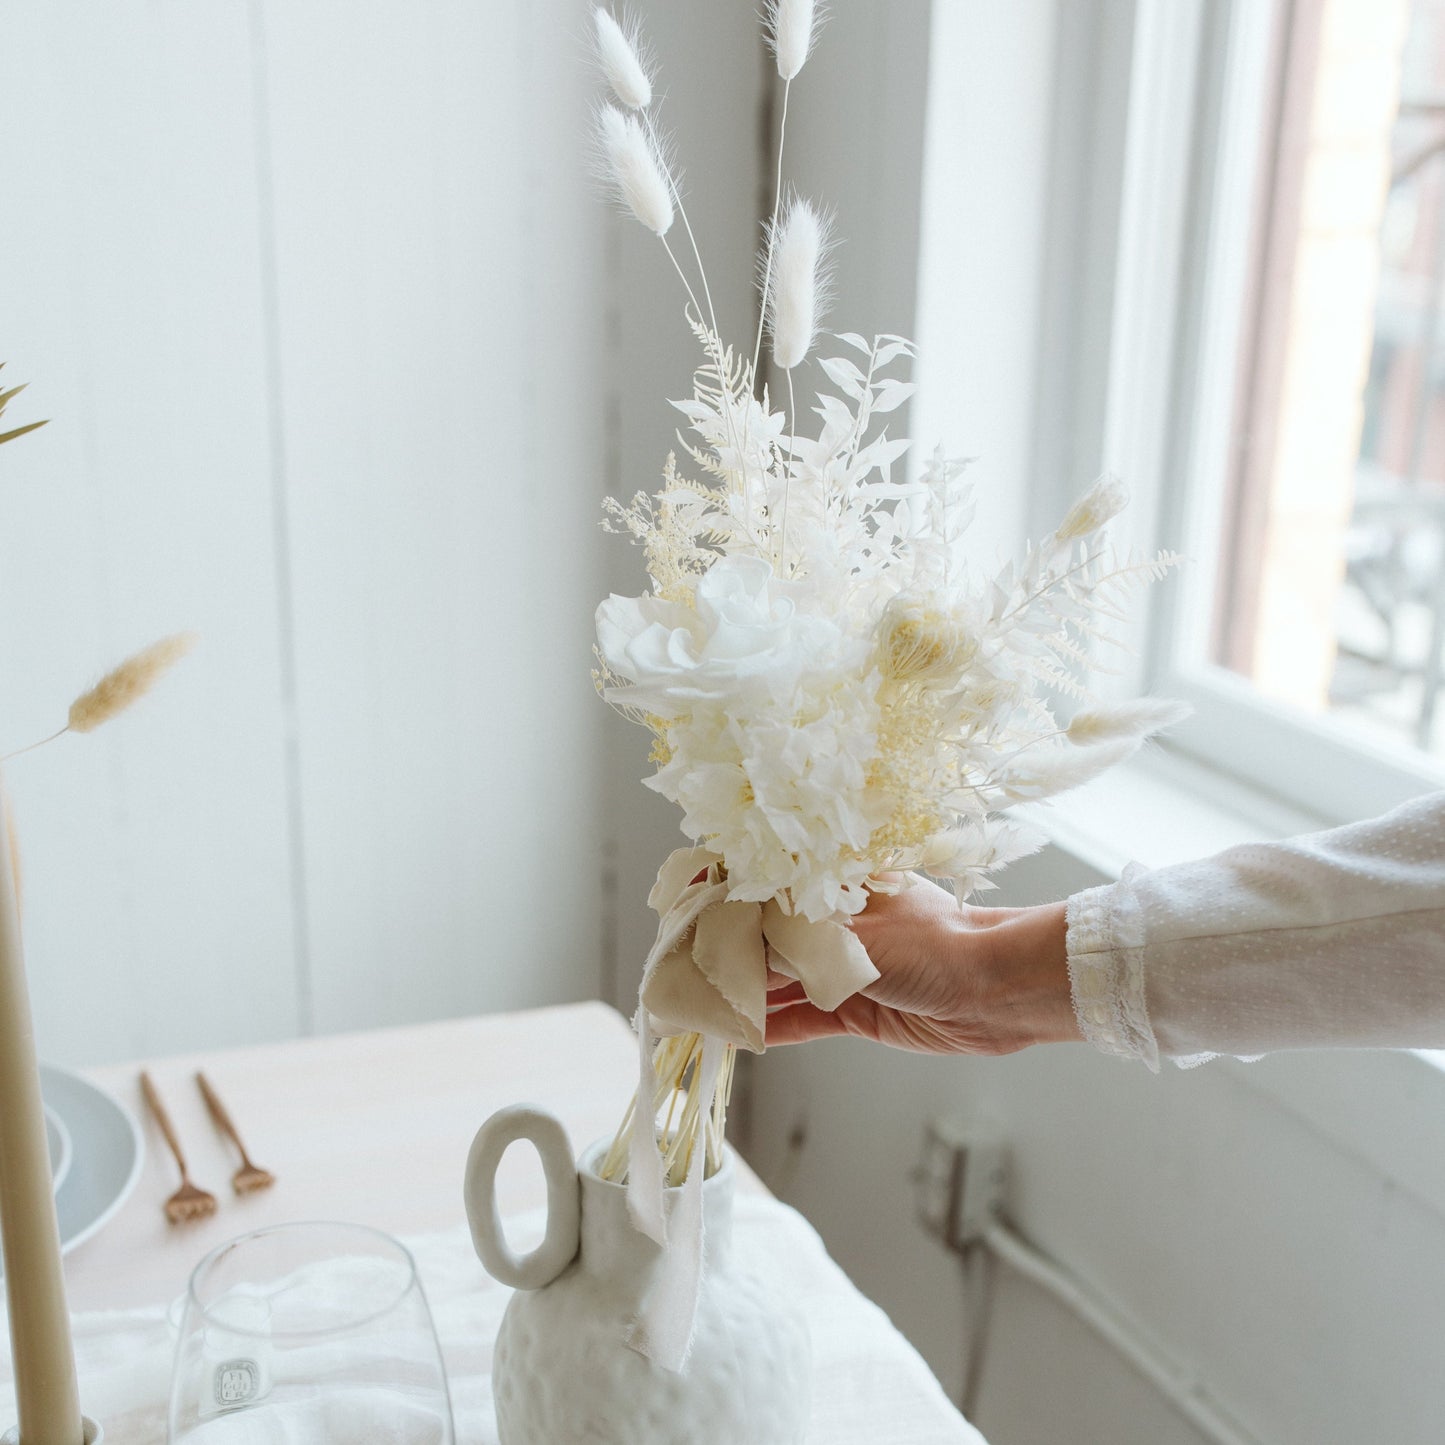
column 562, row 1373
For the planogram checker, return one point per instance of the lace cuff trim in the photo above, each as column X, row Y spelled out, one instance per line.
column 1106, row 972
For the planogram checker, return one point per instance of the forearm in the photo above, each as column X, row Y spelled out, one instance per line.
column 1336, row 939
column 1029, row 977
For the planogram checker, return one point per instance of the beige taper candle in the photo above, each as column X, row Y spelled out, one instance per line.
column 46, row 1396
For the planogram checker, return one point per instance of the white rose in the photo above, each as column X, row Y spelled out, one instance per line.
column 744, row 630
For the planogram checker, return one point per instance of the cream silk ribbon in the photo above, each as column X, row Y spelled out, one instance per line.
column 707, row 973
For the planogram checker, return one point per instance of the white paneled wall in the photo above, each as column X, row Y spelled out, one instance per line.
column 157, row 855
column 437, row 273
column 314, row 294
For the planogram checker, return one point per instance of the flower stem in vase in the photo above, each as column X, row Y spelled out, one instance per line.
column 676, row 1063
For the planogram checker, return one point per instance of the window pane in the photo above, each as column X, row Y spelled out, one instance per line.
column 1331, row 589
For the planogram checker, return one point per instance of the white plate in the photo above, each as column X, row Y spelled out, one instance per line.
column 57, row 1141
column 106, row 1153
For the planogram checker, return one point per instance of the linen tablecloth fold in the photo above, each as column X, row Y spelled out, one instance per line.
column 870, row 1386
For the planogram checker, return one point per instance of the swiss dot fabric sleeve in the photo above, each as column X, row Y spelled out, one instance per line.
column 1331, row 940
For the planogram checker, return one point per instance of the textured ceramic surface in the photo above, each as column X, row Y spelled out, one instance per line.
column 563, row 1373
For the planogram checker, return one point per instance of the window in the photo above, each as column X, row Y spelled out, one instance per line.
column 1289, row 221
column 1328, row 596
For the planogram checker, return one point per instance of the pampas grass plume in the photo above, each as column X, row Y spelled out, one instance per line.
column 1126, row 720
column 634, row 169
column 128, row 683
column 796, row 297
column 621, row 61
column 791, row 25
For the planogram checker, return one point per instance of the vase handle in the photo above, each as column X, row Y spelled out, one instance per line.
column 479, row 1191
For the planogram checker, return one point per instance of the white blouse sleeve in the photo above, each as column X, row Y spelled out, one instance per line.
column 1334, row 939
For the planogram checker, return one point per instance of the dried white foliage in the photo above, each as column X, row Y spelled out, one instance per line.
column 854, row 696
column 835, row 688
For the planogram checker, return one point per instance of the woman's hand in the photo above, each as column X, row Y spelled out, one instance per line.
column 951, row 980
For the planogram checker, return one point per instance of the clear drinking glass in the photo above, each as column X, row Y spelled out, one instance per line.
column 317, row 1332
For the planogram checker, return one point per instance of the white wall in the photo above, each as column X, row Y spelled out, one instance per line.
column 978, row 291
column 313, row 296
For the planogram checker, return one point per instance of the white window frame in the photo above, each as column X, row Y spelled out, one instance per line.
column 1155, row 146
column 1132, row 279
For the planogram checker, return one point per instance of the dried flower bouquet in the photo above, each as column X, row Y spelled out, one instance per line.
column 834, row 691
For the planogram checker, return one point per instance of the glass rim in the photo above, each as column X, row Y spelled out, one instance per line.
column 193, row 1298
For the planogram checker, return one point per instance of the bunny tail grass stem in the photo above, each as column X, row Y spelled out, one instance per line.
column 681, row 275
column 30, row 747
column 787, row 477
column 772, row 230
column 715, row 347
column 686, row 225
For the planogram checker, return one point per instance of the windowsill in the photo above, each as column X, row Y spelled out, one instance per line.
column 1162, row 808
column 1384, row 1107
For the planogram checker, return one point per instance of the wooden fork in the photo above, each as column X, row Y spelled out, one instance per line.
column 188, row 1202
column 248, row 1178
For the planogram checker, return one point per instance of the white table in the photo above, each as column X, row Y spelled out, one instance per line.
column 374, row 1128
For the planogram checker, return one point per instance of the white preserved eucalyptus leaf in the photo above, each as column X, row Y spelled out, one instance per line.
column 832, row 410
column 891, row 352
column 693, row 410
column 844, row 375
column 890, row 394
column 886, row 452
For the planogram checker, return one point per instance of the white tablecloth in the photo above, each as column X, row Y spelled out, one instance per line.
column 870, row 1387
